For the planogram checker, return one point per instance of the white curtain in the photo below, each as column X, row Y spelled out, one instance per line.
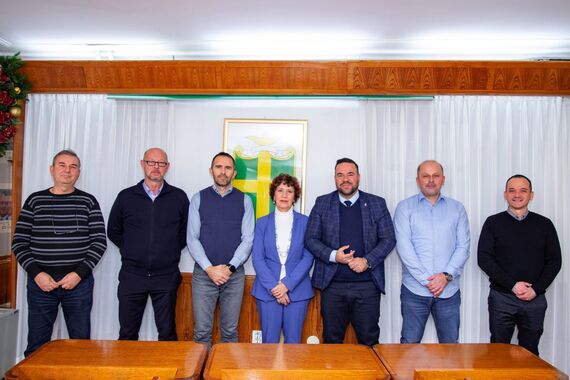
column 479, row 140
column 110, row 138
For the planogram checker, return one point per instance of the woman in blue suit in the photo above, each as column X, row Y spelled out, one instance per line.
column 282, row 286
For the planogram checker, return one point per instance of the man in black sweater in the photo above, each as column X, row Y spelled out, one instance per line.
column 148, row 224
column 520, row 252
column 59, row 239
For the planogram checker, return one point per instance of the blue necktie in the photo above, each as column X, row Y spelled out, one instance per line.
column 348, row 203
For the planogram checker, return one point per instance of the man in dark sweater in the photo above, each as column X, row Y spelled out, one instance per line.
column 350, row 233
column 220, row 237
column 59, row 239
column 520, row 252
column 148, row 224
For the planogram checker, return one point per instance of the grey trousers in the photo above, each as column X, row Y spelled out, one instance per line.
column 205, row 296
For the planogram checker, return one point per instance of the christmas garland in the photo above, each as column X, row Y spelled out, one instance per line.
column 13, row 91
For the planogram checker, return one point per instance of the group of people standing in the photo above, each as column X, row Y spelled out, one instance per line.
column 60, row 238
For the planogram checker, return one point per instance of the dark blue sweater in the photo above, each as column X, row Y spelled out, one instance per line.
column 150, row 235
column 351, row 234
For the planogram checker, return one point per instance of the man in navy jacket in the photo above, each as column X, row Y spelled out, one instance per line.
column 350, row 233
column 148, row 224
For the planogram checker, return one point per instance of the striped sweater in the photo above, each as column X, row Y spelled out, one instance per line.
column 59, row 234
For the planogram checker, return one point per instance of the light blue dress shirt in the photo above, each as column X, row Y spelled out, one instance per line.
column 149, row 192
column 193, row 232
column 431, row 240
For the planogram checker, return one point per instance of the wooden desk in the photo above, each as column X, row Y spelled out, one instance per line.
column 461, row 361
column 293, row 361
column 111, row 360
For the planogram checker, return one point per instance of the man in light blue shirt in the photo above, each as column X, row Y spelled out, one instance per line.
column 220, row 237
column 432, row 233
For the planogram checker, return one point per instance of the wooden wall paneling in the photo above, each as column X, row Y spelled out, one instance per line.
column 17, row 170
column 301, row 77
column 184, row 310
column 249, row 319
column 5, row 264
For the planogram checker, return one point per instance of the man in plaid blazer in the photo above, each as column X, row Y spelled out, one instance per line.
column 350, row 233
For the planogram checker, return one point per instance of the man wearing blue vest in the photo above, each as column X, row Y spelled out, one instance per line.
column 350, row 233
column 220, row 237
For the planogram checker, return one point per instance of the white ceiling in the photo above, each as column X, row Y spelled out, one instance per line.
column 282, row 30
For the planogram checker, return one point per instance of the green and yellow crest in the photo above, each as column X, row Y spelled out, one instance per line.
column 255, row 170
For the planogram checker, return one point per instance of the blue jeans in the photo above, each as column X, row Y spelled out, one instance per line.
column 415, row 313
column 43, row 307
column 205, row 296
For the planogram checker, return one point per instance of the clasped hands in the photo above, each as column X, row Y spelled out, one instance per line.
column 280, row 294
column 524, row 291
column 219, row 274
column 46, row 282
column 437, row 283
column 357, row 264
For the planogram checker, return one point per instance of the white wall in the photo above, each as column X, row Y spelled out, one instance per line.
column 332, row 132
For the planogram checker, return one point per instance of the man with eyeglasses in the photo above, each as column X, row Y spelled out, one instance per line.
column 59, row 239
column 148, row 224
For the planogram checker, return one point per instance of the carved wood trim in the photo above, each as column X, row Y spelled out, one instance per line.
column 300, row 77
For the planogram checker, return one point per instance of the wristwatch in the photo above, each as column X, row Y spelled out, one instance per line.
column 448, row 276
column 231, row 268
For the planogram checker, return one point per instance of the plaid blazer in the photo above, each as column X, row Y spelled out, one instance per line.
column 323, row 235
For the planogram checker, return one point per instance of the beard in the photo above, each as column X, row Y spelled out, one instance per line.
column 222, row 180
column 352, row 190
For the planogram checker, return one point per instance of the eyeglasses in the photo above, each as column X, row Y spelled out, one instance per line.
column 161, row 164
column 66, row 231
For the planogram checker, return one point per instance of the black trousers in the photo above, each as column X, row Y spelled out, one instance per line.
column 354, row 302
column 507, row 311
column 133, row 293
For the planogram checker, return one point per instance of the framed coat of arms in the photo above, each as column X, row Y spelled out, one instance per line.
column 263, row 149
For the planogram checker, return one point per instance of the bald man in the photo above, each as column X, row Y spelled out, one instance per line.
column 520, row 252
column 432, row 233
column 148, row 224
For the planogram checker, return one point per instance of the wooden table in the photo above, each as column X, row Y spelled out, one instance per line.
column 106, row 359
column 293, row 361
column 460, row 361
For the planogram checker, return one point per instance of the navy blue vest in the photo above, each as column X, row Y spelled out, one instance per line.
column 351, row 233
column 220, row 229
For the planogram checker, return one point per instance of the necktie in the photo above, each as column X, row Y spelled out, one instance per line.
column 348, row 203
